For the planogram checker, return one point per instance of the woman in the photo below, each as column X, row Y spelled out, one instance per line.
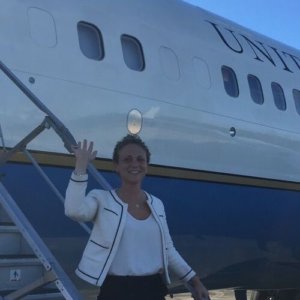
column 130, row 248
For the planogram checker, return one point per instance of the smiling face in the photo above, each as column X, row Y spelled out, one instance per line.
column 132, row 165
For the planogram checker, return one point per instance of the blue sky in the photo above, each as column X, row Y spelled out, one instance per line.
column 278, row 19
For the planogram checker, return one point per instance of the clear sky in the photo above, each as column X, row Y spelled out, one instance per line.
column 278, row 19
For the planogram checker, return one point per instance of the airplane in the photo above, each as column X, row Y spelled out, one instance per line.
column 217, row 104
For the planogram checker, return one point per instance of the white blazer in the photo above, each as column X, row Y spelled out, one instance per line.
column 108, row 213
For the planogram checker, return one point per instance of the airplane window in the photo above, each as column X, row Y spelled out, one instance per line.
column 202, row 73
column 132, row 53
column 42, row 27
column 296, row 94
column 230, row 81
column 278, row 95
column 255, row 89
column 169, row 63
column 90, row 41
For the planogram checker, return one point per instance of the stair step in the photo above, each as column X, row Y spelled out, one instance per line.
column 11, row 241
column 7, row 223
column 16, row 259
column 47, row 294
column 8, row 227
column 21, row 271
column 17, row 271
column 4, row 217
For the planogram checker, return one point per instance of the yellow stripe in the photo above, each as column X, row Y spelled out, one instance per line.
column 66, row 160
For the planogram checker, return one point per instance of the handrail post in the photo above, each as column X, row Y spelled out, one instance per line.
column 5, row 156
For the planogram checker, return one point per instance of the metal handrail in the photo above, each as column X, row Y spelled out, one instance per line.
column 52, row 121
column 51, row 265
column 51, row 185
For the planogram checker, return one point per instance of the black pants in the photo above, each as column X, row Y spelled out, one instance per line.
column 133, row 288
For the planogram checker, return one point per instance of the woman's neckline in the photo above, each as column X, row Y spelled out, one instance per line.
column 136, row 219
column 141, row 213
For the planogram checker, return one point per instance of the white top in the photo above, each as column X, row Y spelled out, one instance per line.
column 140, row 249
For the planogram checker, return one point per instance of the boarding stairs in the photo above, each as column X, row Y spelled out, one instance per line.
column 28, row 270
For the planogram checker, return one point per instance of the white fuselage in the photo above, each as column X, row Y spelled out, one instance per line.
column 186, row 112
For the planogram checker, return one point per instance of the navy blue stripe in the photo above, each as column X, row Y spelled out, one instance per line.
column 78, row 180
column 186, row 274
column 113, row 243
column 105, row 247
column 87, row 274
column 111, row 211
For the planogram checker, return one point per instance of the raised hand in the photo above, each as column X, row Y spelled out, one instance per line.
column 84, row 153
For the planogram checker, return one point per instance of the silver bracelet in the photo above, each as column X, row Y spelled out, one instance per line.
column 78, row 174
